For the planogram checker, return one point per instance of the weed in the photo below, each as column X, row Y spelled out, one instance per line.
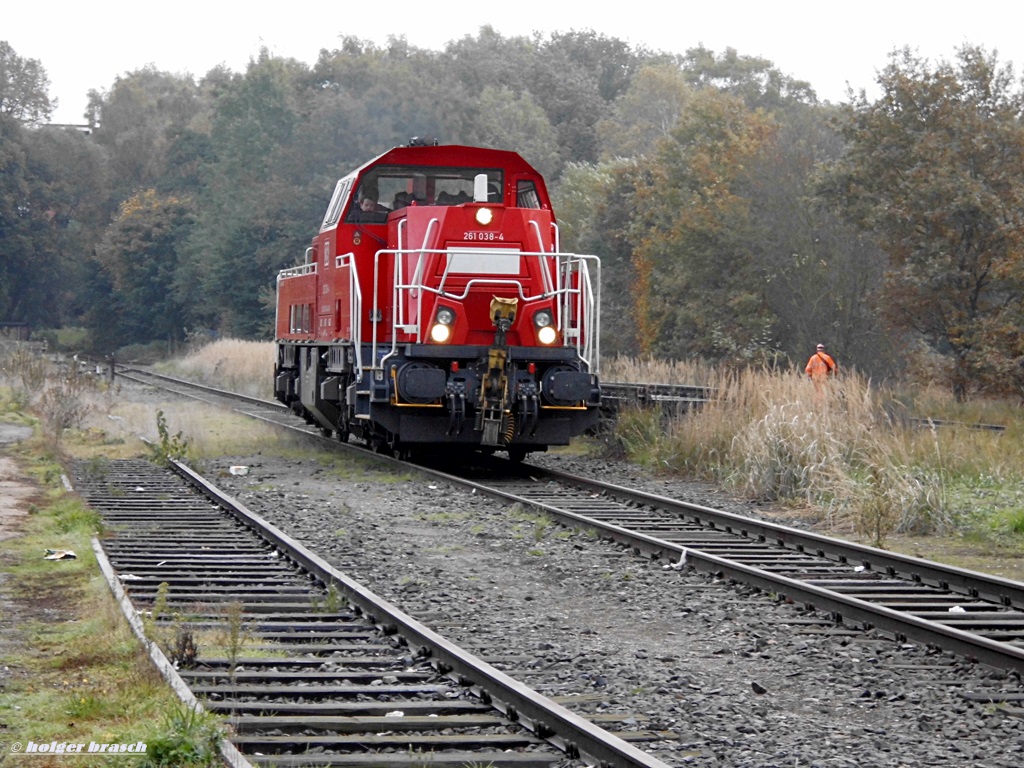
column 236, row 635
column 26, row 370
column 168, row 446
column 62, row 402
column 188, row 737
column 241, row 366
column 72, row 515
column 149, row 620
column 166, row 628
column 1015, row 522
column 79, row 663
column 57, row 393
column 184, row 651
column 335, row 600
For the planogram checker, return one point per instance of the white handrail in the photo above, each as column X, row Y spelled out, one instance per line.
column 548, row 288
column 576, row 307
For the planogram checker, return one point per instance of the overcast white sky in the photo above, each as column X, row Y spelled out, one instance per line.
column 85, row 45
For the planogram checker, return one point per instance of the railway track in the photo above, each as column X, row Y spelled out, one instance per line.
column 972, row 614
column 308, row 667
column 977, row 616
column 672, row 399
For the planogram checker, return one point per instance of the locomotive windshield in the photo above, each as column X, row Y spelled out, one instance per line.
column 389, row 188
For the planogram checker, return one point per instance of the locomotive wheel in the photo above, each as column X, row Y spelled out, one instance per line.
column 380, row 445
column 516, row 455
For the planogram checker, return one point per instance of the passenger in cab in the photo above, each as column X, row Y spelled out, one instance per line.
column 368, row 210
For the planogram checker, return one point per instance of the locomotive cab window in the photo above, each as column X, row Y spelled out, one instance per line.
column 391, row 188
column 338, row 200
column 526, row 194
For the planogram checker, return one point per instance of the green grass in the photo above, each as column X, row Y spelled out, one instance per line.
column 77, row 673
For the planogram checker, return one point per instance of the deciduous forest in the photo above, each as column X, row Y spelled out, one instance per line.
column 737, row 217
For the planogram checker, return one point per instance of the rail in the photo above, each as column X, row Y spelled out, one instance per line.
column 277, row 553
column 728, row 544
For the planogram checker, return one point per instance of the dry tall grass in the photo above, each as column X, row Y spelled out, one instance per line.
column 645, row 371
column 58, row 390
column 115, row 429
column 240, row 366
column 843, row 449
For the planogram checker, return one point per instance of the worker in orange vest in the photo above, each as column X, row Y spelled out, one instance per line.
column 821, row 365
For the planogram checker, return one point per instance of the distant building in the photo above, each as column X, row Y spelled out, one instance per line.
column 14, row 331
column 81, row 128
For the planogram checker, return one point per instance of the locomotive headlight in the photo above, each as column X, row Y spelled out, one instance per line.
column 484, row 216
column 547, row 335
column 543, row 321
column 441, row 330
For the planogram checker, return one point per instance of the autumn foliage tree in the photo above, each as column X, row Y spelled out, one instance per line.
column 703, row 291
column 138, row 256
column 935, row 167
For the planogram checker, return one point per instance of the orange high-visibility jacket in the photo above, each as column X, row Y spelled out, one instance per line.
column 820, row 365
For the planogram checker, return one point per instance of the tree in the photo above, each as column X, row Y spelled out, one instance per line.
column 935, row 167
column 751, row 78
column 384, row 97
column 612, row 60
column 52, row 207
column 819, row 271
column 595, row 204
column 506, row 120
column 139, row 255
column 246, row 226
column 692, row 236
column 24, row 88
column 136, row 121
column 646, row 112
column 15, row 224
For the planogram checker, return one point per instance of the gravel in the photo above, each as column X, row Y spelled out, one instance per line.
column 720, row 674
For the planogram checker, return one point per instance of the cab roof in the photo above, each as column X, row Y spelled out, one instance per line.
column 453, row 156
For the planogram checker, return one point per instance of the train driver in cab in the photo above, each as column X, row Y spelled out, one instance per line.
column 367, row 209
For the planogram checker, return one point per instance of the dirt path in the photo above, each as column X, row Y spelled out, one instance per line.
column 15, row 490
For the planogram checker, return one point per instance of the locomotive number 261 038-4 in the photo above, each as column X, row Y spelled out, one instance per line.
column 480, row 235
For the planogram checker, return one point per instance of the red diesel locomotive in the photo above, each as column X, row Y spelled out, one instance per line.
column 435, row 307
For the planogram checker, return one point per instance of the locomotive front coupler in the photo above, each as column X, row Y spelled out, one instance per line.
column 491, row 418
column 493, row 389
